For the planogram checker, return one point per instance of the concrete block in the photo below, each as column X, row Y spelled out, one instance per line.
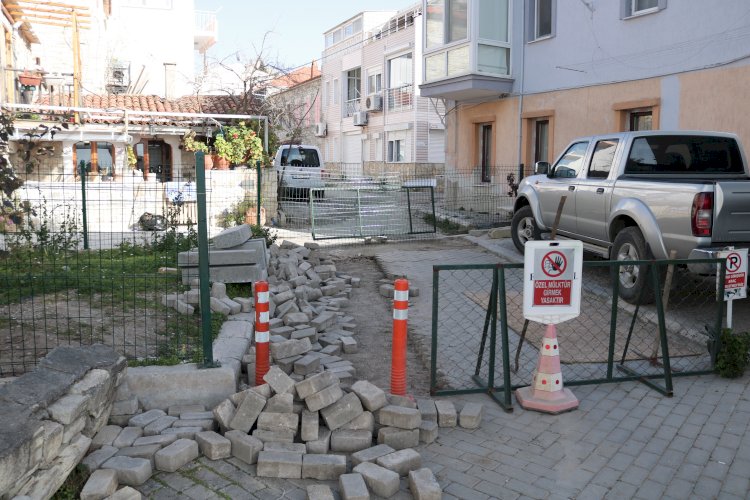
column 287, row 447
column 289, row 307
column 349, row 345
column 279, row 381
column 307, row 364
column 284, row 331
column 279, row 464
column 404, row 401
column 323, row 467
column 126, row 493
column 398, row 416
column 193, row 297
column 219, row 307
column 353, row 487
column 323, row 321
column 286, row 365
column 232, row 237
column 347, row 441
column 278, row 436
column 53, row 440
column 427, row 408
column 146, row 451
column 214, row 446
column 428, row 431
column 159, row 425
column 305, row 333
column 280, row 403
column 234, row 307
column 262, row 389
column 95, row 459
column 68, row 408
column 127, row 406
column 175, row 455
column 326, row 397
column 223, row 414
column 371, row 454
column 130, row 471
column 380, row 480
column 105, row 437
column 74, row 429
column 278, row 421
column 178, row 410
column 446, row 413
column 247, row 304
column 206, row 425
column 342, row 411
column 314, row 384
column 288, row 348
column 183, row 432
column 398, row 439
column 101, row 484
column 424, row 486
column 248, row 411
column 364, row 422
column 294, row 319
column 332, row 349
column 322, row 444
column 218, row 289
column 145, row 418
column 372, row 397
column 401, row 461
column 319, row 492
column 162, row 440
column 244, row 447
column 310, row 425
column 471, row 415
column 386, row 290
column 127, row 436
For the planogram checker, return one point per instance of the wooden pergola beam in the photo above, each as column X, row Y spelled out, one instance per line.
column 60, row 12
column 51, row 4
column 60, row 24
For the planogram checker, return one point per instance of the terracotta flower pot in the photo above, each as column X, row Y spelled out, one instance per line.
column 220, row 163
column 30, row 80
column 208, row 162
column 251, row 216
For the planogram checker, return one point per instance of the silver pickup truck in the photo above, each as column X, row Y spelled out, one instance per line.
column 640, row 195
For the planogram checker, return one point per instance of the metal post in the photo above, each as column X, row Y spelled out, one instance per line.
column 433, row 350
column 200, row 185
column 83, row 203
column 662, row 329
column 506, row 403
column 408, row 205
column 359, row 213
column 257, row 169
column 434, row 216
column 719, row 311
column 520, row 172
column 613, row 322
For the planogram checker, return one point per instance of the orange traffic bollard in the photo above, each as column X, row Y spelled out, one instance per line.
column 400, row 316
column 262, row 336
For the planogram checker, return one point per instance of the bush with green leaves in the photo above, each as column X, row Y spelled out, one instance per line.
column 734, row 354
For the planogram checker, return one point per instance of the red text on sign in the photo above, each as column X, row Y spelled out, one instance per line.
column 552, row 292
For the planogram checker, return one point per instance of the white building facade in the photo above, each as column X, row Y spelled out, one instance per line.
column 373, row 117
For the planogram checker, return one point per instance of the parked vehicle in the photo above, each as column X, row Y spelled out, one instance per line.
column 299, row 168
column 640, row 195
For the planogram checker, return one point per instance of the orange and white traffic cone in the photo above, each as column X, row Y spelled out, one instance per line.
column 546, row 392
column 262, row 335
column 400, row 318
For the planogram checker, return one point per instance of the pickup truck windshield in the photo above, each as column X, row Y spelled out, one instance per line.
column 299, row 157
column 684, row 155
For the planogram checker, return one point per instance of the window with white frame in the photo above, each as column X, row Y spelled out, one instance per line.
column 379, row 149
column 400, row 71
column 447, row 22
column 631, row 8
column 336, row 91
column 374, row 81
column 541, row 17
column 397, row 147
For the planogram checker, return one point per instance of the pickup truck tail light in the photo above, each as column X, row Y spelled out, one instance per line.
column 702, row 214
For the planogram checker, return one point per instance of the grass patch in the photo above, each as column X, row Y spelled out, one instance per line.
column 71, row 488
column 446, row 226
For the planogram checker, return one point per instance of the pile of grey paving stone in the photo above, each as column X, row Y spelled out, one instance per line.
column 310, row 416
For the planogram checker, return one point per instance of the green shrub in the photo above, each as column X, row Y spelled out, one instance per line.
column 733, row 357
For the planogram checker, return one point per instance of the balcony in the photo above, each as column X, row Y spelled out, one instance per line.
column 352, row 106
column 205, row 30
column 400, row 98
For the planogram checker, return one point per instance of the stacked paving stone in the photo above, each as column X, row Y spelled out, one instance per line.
column 385, row 288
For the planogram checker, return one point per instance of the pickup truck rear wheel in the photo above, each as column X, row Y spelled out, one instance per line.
column 630, row 245
column 523, row 227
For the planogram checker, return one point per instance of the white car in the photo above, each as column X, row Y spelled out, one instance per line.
column 299, row 168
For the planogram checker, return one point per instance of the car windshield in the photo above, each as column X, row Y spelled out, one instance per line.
column 296, row 156
column 685, row 155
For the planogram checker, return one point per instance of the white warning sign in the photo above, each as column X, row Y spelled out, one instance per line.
column 552, row 280
column 735, row 280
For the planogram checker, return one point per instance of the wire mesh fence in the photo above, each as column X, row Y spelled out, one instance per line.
column 92, row 259
column 611, row 340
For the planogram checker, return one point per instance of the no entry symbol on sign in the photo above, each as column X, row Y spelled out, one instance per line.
column 554, row 264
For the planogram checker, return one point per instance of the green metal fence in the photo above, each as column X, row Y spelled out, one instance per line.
column 481, row 341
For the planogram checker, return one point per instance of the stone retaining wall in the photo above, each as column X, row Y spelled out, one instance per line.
column 50, row 415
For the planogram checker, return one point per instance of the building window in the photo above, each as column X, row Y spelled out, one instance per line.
column 400, row 71
column 447, row 22
column 541, row 141
column 96, row 157
column 541, row 17
column 374, row 83
column 632, row 8
column 378, row 149
column 485, row 151
column 396, row 151
column 336, row 91
column 353, row 90
column 640, row 120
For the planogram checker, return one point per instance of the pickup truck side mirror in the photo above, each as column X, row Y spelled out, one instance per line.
column 541, row 168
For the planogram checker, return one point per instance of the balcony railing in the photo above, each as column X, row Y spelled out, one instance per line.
column 352, row 106
column 400, row 98
column 205, row 29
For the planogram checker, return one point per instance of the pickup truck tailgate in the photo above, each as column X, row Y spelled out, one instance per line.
column 732, row 212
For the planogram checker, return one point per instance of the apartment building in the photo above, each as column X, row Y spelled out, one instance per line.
column 523, row 78
column 374, row 118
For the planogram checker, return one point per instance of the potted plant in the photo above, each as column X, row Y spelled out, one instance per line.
column 193, row 144
column 244, row 211
column 28, row 79
column 238, row 144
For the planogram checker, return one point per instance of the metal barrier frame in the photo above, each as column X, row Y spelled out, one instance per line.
column 501, row 394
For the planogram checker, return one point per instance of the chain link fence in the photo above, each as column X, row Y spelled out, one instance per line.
column 481, row 341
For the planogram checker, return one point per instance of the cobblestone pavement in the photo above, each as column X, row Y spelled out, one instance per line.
column 624, row 441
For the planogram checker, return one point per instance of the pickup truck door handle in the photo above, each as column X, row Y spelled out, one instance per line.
column 599, row 190
column 571, row 188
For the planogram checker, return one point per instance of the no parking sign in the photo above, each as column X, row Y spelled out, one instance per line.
column 552, row 280
column 735, row 280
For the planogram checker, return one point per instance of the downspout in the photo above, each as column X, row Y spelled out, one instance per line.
column 520, row 96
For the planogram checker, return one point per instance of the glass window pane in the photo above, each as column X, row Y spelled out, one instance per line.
column 493, row 20
column 543, row 18
column 83, row 156
column 541, row 141
column 492, row 59
column 601, row 161
column 435, row 67
column 639, row 5
column 457, row 21
column 105, row 156
column 570, row 164
column 399, row 71
column 458, row 61
column 434, row 22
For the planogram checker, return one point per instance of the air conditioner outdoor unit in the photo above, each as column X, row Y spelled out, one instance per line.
column 374, row 102
column 360, row 118
column 320, row 130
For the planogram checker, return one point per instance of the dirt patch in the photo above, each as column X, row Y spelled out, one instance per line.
column 373, row 314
